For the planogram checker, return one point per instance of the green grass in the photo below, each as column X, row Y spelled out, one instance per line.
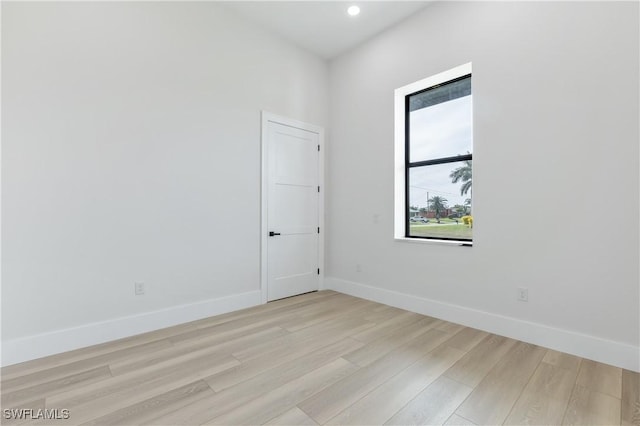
column 445, row 220
column 450, row 231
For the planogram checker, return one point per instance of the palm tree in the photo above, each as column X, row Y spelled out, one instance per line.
column 437, row 204
column 462, row 174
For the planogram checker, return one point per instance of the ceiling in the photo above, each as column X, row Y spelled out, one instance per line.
column 324, row 27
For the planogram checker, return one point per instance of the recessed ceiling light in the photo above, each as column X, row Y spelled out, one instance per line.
column 353, row 10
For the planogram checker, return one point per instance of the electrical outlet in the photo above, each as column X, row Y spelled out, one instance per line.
column 523, row 294
column 376, row 219
column 358, row 267
column 138, row 288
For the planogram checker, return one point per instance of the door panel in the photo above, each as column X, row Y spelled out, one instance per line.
column 294, row 208
column 293, row 265
column 296, row 156
column 292, row 211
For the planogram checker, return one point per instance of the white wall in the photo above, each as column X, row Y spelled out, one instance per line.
column 555, row 185
column 131, row 152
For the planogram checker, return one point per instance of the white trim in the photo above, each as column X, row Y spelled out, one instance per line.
column 321, row 207
column 270, row 117
column 443, row 242
column 606, row 351
column 399, row 139
column 45, row 344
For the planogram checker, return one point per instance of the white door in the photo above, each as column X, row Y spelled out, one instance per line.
column 292, row 222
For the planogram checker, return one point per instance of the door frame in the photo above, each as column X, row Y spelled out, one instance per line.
column 274, row 118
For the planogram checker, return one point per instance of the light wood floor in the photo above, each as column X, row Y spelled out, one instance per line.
column 322, row 358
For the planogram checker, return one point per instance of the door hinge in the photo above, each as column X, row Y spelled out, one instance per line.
column 318, row 271
column 318, row 148
column 318, row 229
column 318, row 188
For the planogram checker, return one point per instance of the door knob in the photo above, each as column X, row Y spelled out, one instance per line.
column 273, row 234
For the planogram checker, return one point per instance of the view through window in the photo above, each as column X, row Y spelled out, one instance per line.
column 438, row 163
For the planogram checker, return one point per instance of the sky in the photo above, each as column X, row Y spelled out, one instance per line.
column 441, row 130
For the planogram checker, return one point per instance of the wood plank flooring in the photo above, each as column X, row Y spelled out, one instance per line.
column 315, row 359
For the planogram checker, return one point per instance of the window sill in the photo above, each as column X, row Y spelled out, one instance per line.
column 440, row 242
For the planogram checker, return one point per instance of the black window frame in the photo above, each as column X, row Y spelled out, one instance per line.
column 408, row 165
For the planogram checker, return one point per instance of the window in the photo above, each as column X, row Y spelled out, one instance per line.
column 434, row 156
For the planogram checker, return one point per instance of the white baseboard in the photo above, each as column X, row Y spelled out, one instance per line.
column 606, row 351
column 40, row 345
